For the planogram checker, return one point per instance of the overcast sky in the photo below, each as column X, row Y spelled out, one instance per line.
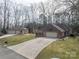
column 27, row 2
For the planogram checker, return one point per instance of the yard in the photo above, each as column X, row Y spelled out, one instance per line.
column 13, row 40
column 63, row 49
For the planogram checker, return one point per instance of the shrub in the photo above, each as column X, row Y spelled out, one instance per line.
column 72, row 35
column 4, row 31
column 6, row 42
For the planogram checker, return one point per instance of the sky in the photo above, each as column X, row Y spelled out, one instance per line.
column 27, row 2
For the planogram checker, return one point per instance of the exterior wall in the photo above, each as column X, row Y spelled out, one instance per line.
column 60, row 34
column 44, row 34
column 13, row 32
column 40, row 34
column 18, row 31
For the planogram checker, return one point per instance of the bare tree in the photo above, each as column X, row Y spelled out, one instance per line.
column 5, row 9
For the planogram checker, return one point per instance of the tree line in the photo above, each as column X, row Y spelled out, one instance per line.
column 14, row 16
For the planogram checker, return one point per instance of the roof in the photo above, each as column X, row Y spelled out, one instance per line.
column 50, row 27
column 60, row 29
column 63, row 26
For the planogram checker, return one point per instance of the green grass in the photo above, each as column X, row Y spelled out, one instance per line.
column 67, row 49
column 13, row 40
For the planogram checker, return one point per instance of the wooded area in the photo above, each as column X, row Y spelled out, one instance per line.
column 15, row 16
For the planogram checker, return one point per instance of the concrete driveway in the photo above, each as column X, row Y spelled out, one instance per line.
column 32, row 48
column 6, row 53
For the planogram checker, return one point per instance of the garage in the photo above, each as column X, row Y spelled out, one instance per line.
column 50, row 31
column 51, row 34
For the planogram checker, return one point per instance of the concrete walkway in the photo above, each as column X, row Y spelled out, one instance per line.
column 7, row 35
column 32, row 48
column 6, row 53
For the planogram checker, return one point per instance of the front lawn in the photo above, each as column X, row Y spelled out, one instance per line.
column 67, row 49
column 13, row 40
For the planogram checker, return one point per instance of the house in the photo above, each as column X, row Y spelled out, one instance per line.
column 52, row 31
column 18, row 31
column 23, row 31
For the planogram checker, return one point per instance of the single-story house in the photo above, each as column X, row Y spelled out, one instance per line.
column 18, row 31
column 52, row 31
